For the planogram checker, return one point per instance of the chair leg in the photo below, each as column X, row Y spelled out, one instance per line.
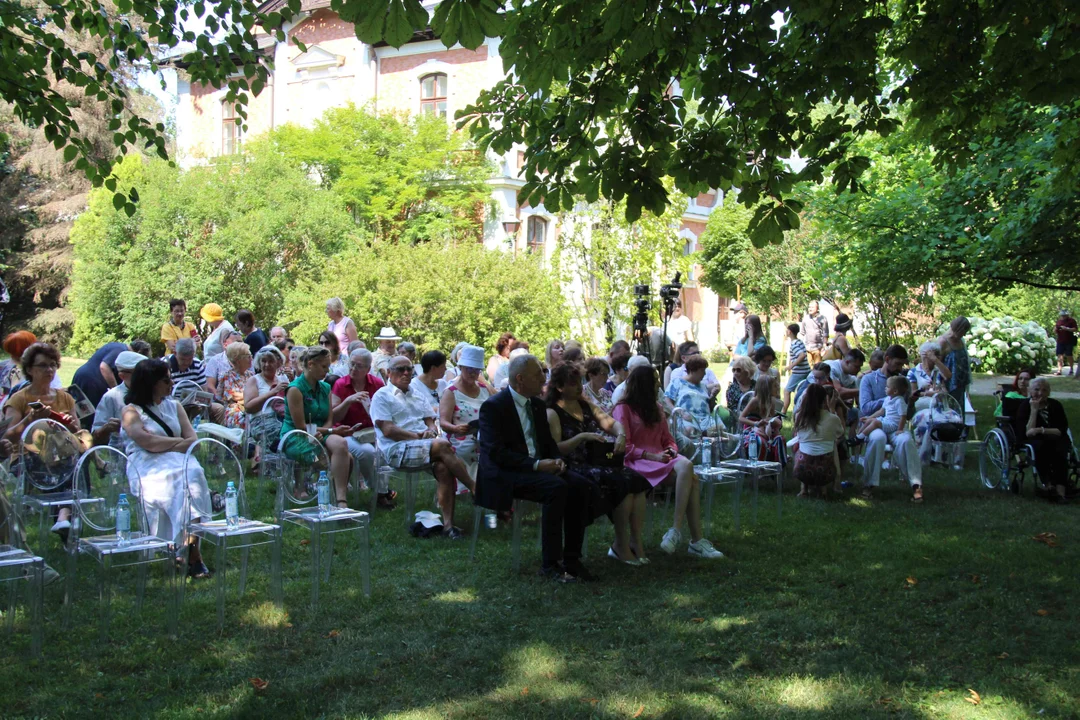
column 329, row 556
column 365, row 560
column 410, row 498
column 779, row 496
column 12, row 594
column 105, row 595
column 515, row 543
column 753, row 506
column 737, row 502
column 243, row 568
column 37, row 609
column 69, row 587
column 275, row 570
column 316, row 557
column 709, row 493
column 222, row 550
column 170, row 584
column 43, row 535
column 477, row 523
column 140, row 581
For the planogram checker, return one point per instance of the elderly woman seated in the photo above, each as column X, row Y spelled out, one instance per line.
column 350, row 398
column 231, row 387
column 597, row 372
column 459, row 409
column 39, row 400
column 690, row 397
column 1041, row 422
column 158, row 434
column 929, row 377
column 267, row 383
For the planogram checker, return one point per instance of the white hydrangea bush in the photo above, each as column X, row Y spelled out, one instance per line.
column 1006, row 345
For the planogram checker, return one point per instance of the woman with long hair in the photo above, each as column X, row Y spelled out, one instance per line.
column 759, row 416
column 817, row 464
column 578, row 426
column 652, row 452
column 753, row 339
column 339, row 364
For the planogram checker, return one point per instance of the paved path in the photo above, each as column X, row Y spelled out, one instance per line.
column 987, row 384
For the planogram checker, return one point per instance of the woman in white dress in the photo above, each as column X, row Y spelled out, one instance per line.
column 157, row 433
column 460, row 406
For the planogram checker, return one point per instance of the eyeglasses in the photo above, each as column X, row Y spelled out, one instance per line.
column 403, row 369
column 45, row 366
column 326, row 342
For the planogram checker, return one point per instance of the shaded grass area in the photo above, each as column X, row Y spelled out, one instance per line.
column 840, row 609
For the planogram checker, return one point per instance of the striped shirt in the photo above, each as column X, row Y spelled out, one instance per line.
column 194, row 373
column 795, row 349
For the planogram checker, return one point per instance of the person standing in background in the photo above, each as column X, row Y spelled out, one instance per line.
column 219, row 328
column 1065, row 334
column 680, row 328
column 815, row 331
column 178, row 327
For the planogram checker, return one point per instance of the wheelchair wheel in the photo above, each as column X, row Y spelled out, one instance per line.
column 994, row 460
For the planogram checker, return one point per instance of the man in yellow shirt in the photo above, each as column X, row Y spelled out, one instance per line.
column 177, row 327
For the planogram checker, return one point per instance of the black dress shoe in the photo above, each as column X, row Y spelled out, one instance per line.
column 557, row 574
column 580, row 572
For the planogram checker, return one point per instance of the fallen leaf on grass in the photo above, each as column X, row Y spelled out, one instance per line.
column 697, row 620
column 884, row 700
column 332, row 634
column 258, row 683
column 549, row 675
column 1042, row 613
column 305, row 541
column 524, row 691
column 976, row 579
column 1002, row 656
column 973, row 698
column 912, row 580
column 99, row 696
column 591, row 701
column 641, row 709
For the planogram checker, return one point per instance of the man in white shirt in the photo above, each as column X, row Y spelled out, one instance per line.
column 680, row 329
column 845, row 374
column 106, row 427
column 406, row 435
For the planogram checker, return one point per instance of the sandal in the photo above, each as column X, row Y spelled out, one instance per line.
column 916, row 496
column 385, row 503
column 867, row 494
column 342, row 505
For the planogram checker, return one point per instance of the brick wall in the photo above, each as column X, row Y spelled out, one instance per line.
column 399, row 80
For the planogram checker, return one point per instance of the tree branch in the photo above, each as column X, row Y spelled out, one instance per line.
column 1032, row 283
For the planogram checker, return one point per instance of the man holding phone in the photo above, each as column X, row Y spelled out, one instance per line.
column 178, row 326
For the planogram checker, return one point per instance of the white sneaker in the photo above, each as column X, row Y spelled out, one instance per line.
column 671, row 541
column 60, row 525
column 704, row 548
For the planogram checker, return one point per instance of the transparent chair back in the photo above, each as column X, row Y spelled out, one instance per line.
column 264, row 429
column 946, row 427
column 298, row 483
column 105, row 471
column 220, row 467
column 48, row 454
column 192, row 398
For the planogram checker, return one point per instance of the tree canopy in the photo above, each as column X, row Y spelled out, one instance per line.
column 611, row 98
column 236, row 233
column 402, row 178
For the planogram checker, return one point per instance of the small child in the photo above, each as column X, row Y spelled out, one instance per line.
column 893, row 412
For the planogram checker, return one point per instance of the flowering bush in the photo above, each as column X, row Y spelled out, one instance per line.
column 1005, row 345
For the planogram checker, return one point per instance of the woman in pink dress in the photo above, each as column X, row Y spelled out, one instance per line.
column 651, row 451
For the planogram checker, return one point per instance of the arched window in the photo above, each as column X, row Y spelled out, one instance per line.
column 230, row 129
column 536, row 234
column 433, row 95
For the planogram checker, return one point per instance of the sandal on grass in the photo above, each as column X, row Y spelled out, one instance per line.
column 916, row 495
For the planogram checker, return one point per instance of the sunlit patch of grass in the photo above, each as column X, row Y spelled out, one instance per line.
column 466, row 595
column 266, row 615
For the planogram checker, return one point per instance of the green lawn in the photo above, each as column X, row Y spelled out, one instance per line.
column 841, row 609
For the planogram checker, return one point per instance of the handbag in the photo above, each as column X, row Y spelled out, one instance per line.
column 602, row 454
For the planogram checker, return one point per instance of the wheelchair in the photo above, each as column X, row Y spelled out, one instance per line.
column 1005, row 459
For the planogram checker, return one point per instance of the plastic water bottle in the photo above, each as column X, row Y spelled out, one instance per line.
column 232, row 506
column 123, row 519
column 323, row 487
column 706, row 452
column 754, row 447
column 195, row 425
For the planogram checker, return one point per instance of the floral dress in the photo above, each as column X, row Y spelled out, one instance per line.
column 466, row 410
column 232, row 392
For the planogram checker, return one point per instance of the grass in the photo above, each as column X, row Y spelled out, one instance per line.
column 843, row 609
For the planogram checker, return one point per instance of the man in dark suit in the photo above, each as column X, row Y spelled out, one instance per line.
column 519, row 459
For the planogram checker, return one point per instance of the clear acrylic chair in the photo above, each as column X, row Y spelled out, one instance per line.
column 193, row 399
column 946, row 430
column 48, row 454
column 93, row 533
column 220, row 466
column 757, row 470
column 519, row 510
column 706, row 443
column 412, row 477
column 18, row 565
column 297, row 502
column 265, row 430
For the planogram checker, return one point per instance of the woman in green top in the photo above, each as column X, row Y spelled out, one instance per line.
column 1019, row 389
column 307, row 407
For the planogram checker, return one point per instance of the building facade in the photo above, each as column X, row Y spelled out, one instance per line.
column 423, row 76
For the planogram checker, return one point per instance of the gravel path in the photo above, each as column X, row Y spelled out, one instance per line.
column 1061, row 388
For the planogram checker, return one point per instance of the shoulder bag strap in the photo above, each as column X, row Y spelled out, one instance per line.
column 153, row 416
